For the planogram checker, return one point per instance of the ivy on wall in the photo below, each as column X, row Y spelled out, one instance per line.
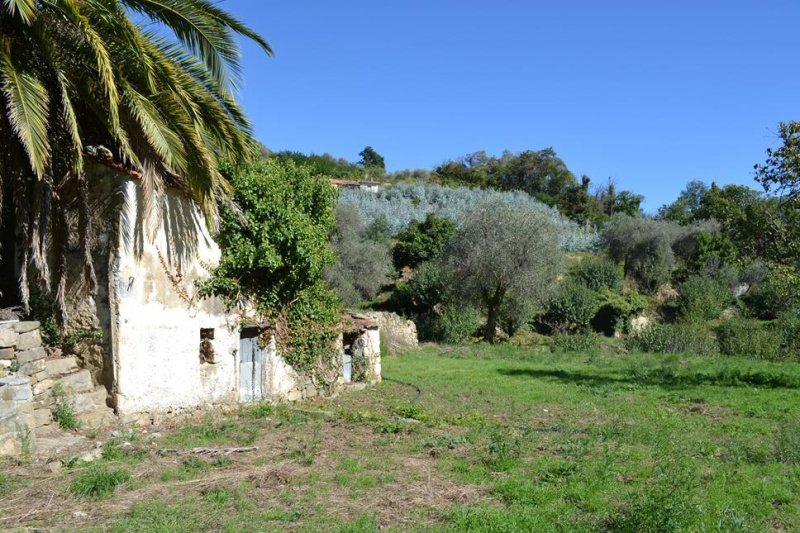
column 274, row 244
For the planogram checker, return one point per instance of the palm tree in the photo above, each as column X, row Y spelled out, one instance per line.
column 150, row 79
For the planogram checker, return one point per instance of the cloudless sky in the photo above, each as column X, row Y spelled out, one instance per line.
column 651, row 94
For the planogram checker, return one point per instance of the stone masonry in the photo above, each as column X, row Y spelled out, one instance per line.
column 30, row 375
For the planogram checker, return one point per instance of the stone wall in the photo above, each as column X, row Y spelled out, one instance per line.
column 30, row 375
column 398, row 334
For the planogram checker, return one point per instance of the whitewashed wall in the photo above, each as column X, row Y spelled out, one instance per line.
column 157, row 363
column 156, row 318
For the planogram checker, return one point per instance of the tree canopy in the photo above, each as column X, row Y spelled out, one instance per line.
column 503, row 253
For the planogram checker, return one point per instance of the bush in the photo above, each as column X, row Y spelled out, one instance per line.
column 598, row 273
column 777, row 294
column 615, row 310
column 455, row 325
column 702, row 299
column 572, row 309
column 748, row 338
column 422, row 241
column 672, row 338
column 788, row 328
column 424, row 291
column 579, row 342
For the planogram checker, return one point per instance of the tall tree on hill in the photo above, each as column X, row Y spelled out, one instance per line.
column 75, row 73
column 373, row 162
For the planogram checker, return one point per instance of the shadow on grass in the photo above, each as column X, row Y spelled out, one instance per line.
column 665, row 378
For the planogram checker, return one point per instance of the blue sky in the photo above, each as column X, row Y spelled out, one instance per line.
column 651, row 94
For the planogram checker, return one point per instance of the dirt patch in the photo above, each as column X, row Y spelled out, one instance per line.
column 293, row 462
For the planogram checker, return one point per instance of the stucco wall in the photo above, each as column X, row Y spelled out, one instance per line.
column 159, row 318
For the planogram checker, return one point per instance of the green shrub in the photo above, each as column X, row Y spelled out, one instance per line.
column 572, row 309
column 503, row 451
column 672, row 338
column 455, row 325
column 422, row 241
column 598, row 273
column 424, row 291
column 615, row 310
column 788, row 327
column 702, row 299
column 779, row 293
column 577, row 342
column 98, row 482
column 748, row 338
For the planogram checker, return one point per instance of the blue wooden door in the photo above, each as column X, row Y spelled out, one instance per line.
column 250, row 366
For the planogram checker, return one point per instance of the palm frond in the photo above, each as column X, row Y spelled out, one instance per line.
column 25, row 8
column 27, row 101
column 203, row 29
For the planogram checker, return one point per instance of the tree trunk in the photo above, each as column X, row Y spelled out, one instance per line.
column 493, row 306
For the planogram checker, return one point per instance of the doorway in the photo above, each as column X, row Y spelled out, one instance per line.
column 251, row 366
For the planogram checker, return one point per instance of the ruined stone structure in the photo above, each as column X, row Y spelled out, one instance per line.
column 160, row 348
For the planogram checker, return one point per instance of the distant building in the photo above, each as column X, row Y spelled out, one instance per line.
column 371, row 186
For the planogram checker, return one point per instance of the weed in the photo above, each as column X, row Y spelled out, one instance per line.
column 221, row 462
column 114, row 451
column 450, row 442
column 217, row 496
column 307, row 452
column 24, row 434
column 503, row 451
column 666, row 505
column 70, row 463
column 258, row 411
column 731, row 521
column 411, row 411
column 517, row 489
column 64, row 413
column 98, row 482
column 191, row 467
column 213, row 432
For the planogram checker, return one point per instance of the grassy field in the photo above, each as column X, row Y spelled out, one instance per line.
column 479, row 438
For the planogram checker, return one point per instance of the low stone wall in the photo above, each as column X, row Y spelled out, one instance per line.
column 398, row 333
column 29, row 376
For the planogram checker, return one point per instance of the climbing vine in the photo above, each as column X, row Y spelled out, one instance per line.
column 274, row 246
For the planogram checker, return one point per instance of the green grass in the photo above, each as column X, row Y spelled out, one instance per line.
column 520, row 440
column 98, row 481
column 614, row 442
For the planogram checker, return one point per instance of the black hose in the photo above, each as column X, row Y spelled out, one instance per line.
column 419, row 391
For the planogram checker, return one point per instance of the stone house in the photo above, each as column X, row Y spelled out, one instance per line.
column 161, row 349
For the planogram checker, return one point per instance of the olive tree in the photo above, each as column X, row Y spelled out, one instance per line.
column 503, row 252
column 362, row 265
